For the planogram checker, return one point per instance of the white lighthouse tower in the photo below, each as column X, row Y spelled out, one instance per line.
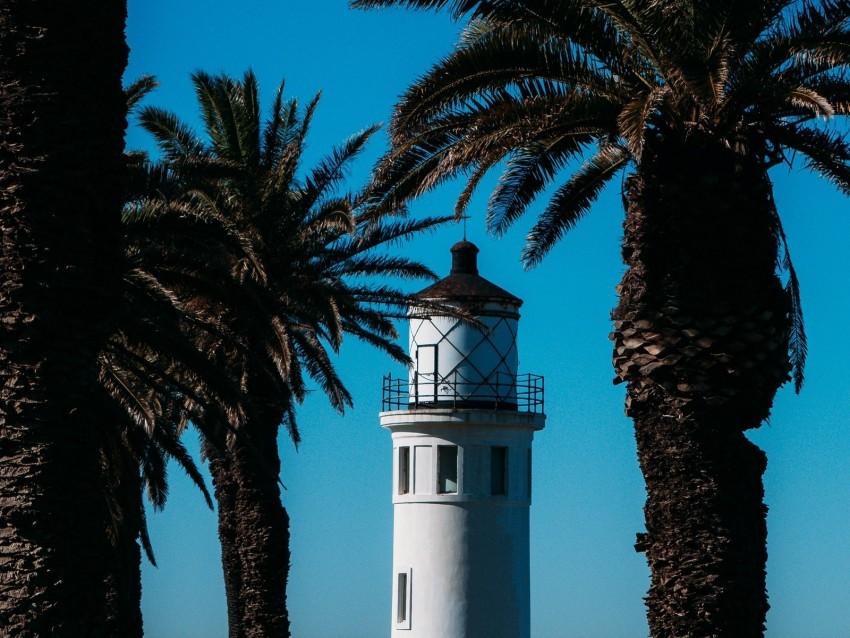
column 462, row 425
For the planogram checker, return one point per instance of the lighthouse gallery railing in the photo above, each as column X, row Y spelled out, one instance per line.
column 523, row 393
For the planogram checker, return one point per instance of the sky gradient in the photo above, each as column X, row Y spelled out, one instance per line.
column 587, row 581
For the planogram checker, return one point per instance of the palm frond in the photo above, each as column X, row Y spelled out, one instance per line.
column 218, row 97
column 331, row 170
column 144, row 536
column 385, row 233
column 137, row 90
column 388, row 346
column 174, row 138
column 384, row 265
column 634, row 119
column 318, row 365
column 172, row 446
column 504, row 59
column 797, row 342
column 572, row 201
column 826, row 153
column 810, row 100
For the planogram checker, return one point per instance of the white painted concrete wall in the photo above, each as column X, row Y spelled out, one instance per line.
column 466, row 554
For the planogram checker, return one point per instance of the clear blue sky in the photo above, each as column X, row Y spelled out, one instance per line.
column 587, row 580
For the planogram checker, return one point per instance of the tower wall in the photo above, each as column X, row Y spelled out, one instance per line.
column 464, row 554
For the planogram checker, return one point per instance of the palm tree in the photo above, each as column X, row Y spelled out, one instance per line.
column 61, row 179
column 697, row 101
column 306, row 284
column 151, row 370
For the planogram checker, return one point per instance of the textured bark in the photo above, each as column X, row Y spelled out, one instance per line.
column 225, row 497
column 701, row 338
column 253, row 529
column 124, row 585
column 125, row 613
column 61, row 170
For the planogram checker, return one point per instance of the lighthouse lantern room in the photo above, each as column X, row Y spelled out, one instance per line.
column 462, row 425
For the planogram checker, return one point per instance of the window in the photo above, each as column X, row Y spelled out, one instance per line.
column 403, row 470
column 447, row 469
column 528, row 469
column 423, row 477
column 426, row 373
column 498, row 470
column 401, row 598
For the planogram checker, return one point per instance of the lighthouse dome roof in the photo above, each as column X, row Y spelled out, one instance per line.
column 464, row 283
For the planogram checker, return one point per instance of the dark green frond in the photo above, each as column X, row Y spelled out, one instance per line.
column 827, row 153
column 332, row 169
column 529, row 170
column 384, row 265
column 634, row 119
column 144, row 536
column 389, row 346
column 386, row 233
column 411, row 171
column 172, row 446
column 457, row 7
column 572, row 201
column 505, row 59
column 797, row 342
column 290, row 422
column 136, row 92
column 318, row 365
column 277, row 133
column 175, row 139
column 217, row 96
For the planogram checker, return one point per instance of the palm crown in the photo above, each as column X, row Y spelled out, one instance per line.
column 698, row 100
column 541, row 82
column 302, row 286
column 292, row 268
column 571, row 92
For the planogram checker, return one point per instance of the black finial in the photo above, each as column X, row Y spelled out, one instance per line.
column 464, row 258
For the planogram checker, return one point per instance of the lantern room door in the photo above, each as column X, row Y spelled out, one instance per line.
column 426, row 373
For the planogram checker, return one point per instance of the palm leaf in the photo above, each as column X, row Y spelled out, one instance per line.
column 572, row 201
column 172, row 136
column 136, row 91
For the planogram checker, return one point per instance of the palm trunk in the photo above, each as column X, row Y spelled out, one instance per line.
column 225, row 496
column 701, row 338
column 125, row 497
column 124, row 586
column 254, row 531
column 61, row 169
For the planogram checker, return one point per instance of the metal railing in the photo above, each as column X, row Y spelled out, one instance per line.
column 521, row 393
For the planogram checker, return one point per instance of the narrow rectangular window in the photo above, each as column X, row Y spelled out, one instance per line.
column 403, row 470
column 401, row 599
column 528, row 469
column 447, row 469
column 498, row 470
column 423, row 472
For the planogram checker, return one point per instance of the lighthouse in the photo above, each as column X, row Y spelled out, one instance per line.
column 462, row 424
